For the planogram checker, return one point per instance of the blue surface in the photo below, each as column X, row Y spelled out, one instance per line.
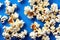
column 27, row 21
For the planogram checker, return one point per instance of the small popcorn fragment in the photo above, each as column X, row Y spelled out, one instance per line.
column 20, row 0
column 3, row 19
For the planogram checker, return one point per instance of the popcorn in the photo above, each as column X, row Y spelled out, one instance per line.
column 33, row 35
column 15, row 15
column 52, row 21
column 11, row 9
column 35, row 25
column 39, row 17
column 29, row 12
column 14, row 6
column 19, row 0
column 36, row 30
column 45, row 38
column 46, row 10
column 57, row 18
column 57, row 37
column 27, row 8
column 54, row 7
column 1, row 4
column 7, row 2
column 3, row 19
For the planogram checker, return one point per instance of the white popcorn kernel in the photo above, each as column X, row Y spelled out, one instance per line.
column 46, row 10
column 1, row 4
column 52, row 21
column 7, row 2
column 37, row 25
column 57, row 37
column 54, row 7
column 27, row 8
column 39, row 17
column 45, row 38
column 25, row 32
column 33, row 35
column 19, row 0
column 14, row 6
column 15, row 15
column 9, row 10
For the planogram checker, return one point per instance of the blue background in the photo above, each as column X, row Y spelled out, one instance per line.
column 27, row 21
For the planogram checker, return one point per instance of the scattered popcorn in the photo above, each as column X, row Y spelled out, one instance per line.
column 13, row 30
column 38, row 9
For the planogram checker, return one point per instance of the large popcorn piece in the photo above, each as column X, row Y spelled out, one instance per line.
column 13, row 30
column 36, row 30
column 11, row 9
column 54, row 7
column 3, row 19
column 29, row 12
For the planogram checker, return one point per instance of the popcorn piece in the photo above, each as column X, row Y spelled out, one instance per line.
column 57, row 37
column 14, row 6
column 54, row 7
column 19, row 0
column 58, row 18
column 1, row 4
column 7, row 2
column 33, row 35
column 15, row 15
column 35, row 25
column 45, row 38
column 27, row 8
column 52, row 21
column 46, row 10
column 10, row 9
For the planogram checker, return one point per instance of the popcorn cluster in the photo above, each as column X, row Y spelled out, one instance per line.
column 15, row 23
column 38, row 9
column 45, row 31
column 51, row 16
